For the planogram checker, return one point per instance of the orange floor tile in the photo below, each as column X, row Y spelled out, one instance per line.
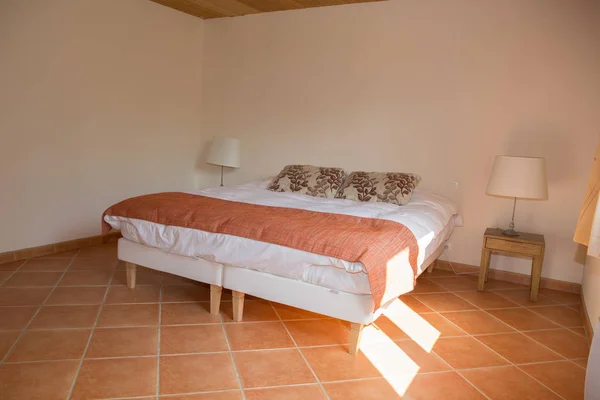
column 71, row 329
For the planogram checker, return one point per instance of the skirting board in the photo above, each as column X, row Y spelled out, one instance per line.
column 513, row 277
column 587, row 323
column 59, row 247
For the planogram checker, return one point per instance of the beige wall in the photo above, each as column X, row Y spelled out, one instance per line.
column 99, row 100
column 591, row 289
column 433, row 87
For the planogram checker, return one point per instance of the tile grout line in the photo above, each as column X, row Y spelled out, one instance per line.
column 510, row 362
column 535, row 379
column 553, row 304
column 450, row 365
column 300, row 351
column 123, row 398
column 533, row 310
column 10, row 350
column 477, row 309
column 87, row 346
column 560, row 327
column 160, row 295
column 362, row 379
column 235, row 368
column 458, row 371
column 125, row 303
column 518, row 366
column 517, row 305
column 14, row 272
column 498, row 354
column 293, row 348
column 498, row 291
column 580, row 366
column 237, row 390
column 471, row 383
column 486, row 310
column 578, row 334
column 524, row 286
column 21, row 306
column 494, row 351
column 166, row 396
column 277, row 349
column 521, row 332
column 549, row 362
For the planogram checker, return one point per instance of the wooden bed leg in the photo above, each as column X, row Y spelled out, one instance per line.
column 215, row 299
column 431, row 267
column 130, row 274
column 238, row 306
column 355, row 334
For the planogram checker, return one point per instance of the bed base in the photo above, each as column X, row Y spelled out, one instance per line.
column 215, row 293
column 196, row 269
column 238, row 307
column 355, row 308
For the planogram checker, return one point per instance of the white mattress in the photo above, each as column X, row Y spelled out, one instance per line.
column 429, row 216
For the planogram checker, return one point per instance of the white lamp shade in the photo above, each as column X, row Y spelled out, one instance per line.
column 224, row 152
column 522, row 177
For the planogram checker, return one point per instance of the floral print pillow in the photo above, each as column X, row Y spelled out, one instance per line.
column 387, row 187
column 309, row 180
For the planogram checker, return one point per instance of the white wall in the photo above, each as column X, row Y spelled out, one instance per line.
column 433, row 87
column 591, row 289
column 99, row 100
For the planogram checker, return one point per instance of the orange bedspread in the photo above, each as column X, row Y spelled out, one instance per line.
column 370, row 241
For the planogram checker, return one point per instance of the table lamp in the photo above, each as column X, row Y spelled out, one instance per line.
column 518, row 177
column 224, row 152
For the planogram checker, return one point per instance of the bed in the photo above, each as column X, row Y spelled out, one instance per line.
column 314, row 282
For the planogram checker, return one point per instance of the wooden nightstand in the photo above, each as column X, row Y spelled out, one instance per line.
column 524, row 245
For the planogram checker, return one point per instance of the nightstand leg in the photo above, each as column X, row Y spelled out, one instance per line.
column 536, row 276
column 483, row 269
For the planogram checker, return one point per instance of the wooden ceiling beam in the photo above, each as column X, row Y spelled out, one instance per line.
column 207, row 9
column 228, row 7
column 190, row 7
column 273, row 5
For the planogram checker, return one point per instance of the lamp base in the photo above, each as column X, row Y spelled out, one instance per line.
column 510, row 232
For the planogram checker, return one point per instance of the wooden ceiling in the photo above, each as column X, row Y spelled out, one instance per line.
column 232, row 8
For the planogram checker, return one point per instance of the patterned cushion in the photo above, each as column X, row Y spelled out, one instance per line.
column 306, row 179
column 387, row 187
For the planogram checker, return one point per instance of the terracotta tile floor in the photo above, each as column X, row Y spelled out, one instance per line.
column 71, row 329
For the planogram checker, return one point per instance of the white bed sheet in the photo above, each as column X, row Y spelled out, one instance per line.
column 429, row 216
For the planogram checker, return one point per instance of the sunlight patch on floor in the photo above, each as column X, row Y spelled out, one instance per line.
column 393, row 363
column 415, row 326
